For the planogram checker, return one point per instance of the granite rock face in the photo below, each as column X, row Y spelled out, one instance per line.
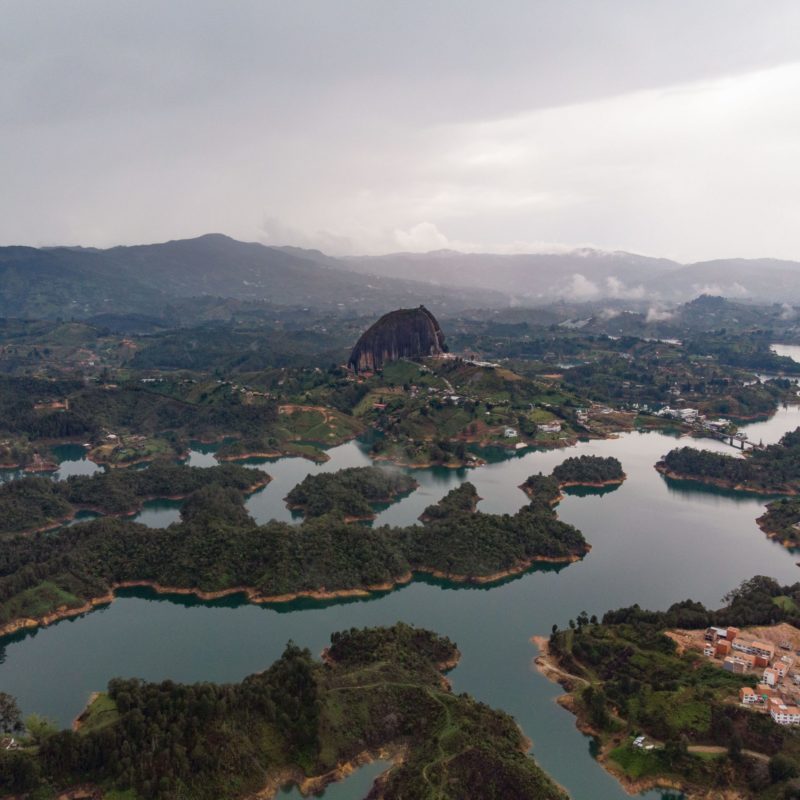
column 405, row 333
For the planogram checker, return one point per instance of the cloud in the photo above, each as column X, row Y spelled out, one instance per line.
column 788, row 312
column 658, row 315
column 361, row 149
column 276, row 233
column 731, row 290
column 581, row 288
column 421, row 238
column 616, row 288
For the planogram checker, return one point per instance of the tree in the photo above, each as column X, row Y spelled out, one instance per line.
column 782, row 768
column 39, row 728
column 10, row 715
column 735, row 747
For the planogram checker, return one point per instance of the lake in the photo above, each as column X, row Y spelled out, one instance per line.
column 654, row 542
column 790, row 350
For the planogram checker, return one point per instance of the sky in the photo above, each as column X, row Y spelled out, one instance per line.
column 668, row 127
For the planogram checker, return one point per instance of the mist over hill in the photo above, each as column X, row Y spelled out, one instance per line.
column 212, row 276
column 586, row 275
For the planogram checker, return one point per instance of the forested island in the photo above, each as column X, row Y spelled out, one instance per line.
column 588, row 470
column 626, row 677
column 350, row 492
column 217, row 549
column 377, row 691
column 34, row 503
column 775, row 469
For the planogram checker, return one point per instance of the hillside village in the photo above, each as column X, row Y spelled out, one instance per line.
column 771, row 656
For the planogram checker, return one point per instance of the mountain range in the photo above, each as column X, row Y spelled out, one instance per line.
column 213, row 272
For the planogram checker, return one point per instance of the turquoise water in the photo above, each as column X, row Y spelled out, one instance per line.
column 654, row 542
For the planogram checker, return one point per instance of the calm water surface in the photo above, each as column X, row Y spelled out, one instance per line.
column 654, row 542
column 790, row 350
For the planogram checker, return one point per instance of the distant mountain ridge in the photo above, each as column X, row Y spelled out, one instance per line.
column 153, row 279
column 586, row 274
column 148, row 279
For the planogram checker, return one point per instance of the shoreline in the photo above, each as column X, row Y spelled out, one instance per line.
column 775, row 535
column 135, row 462
column 720, row 483
column 132, row 512
column 594, row 484
column 547, row 666
column 314, row 784
column 254, row 597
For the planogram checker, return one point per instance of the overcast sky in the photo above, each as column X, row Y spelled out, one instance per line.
column 667, row 128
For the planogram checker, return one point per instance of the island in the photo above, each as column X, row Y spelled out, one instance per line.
column 377, row 692
column 350, row 492
column 218, row 550
column 33, row 504
column 585, row 471
column 689, row 698
column 590, row 471
column 771, row 470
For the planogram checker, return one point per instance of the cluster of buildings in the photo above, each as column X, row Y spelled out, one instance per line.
column 691, row 416
column 688, row 415
column 745, row 655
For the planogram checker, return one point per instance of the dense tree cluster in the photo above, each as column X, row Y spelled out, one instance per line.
column 381, row 687
column 782, row 520
column 544, row 488
column 588, row 469
column 218, row 547
column 34, row 502
column 463, row 499
column 93, row 409
column 775, row 469
column 351, row 492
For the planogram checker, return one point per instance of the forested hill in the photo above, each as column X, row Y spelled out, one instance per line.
column 146, row 279
column 379, row 688
column 639, row 673
column 773, row 470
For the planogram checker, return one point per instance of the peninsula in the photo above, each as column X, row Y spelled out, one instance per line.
column 666, row 707
column 378, row 691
